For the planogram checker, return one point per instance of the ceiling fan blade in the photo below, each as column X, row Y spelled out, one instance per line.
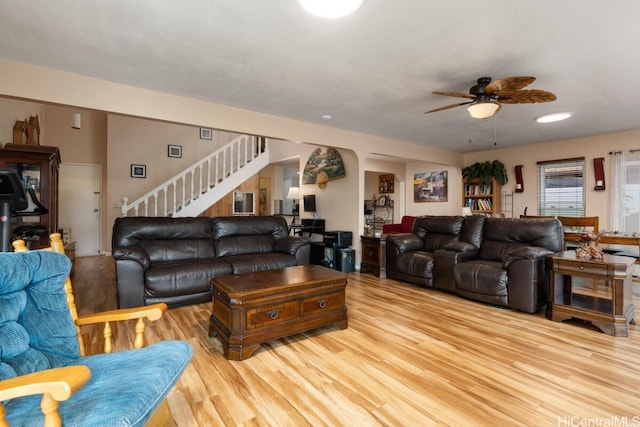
column 456, row 94
column 508, row 84
column 446, row 107
column 527, row 97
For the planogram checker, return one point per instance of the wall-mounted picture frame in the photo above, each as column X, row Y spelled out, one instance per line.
column 175, row 151
column 138, row 171
column 205, row 133
column 430, row 187
column 385, row 183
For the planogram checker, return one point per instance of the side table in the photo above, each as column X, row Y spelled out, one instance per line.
column 374, row 255
column 598, row 291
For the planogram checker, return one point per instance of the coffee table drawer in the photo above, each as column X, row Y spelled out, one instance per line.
column 321, row 303
column 271, row 314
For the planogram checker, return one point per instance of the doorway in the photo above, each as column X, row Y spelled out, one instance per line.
column 79, row 205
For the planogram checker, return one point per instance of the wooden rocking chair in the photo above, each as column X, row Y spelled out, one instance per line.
column 46, row 356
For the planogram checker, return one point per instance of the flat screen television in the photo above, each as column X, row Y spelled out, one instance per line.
column 244, row 203
column 309, row 202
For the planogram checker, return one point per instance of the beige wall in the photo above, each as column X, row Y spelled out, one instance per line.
column 51, row 86
column 597, row 202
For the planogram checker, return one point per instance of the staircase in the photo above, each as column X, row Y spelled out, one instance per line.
column 196, row 188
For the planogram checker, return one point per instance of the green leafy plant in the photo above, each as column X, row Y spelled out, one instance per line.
column 484, row 171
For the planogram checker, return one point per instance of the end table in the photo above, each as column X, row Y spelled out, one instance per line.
column 599, row 291
column 374, row 255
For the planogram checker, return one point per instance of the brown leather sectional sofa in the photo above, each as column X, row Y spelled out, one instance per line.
column 172, row 260
column 499, row 261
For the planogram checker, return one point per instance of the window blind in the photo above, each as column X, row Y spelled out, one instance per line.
column 561, row 187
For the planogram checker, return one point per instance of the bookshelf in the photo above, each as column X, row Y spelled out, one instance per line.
column 482, row 199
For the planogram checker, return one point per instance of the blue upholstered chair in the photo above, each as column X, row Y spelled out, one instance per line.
column 41, row 359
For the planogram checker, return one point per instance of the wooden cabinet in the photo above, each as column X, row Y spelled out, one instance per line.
column 374, row 255
column 37, row 166
column 482, row 199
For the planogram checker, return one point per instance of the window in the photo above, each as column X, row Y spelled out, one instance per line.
column 561, row 187
column 625, row 215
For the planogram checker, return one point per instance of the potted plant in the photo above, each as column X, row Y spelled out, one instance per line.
column 484, row 171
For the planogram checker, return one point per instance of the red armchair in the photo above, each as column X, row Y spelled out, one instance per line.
column 405, row 226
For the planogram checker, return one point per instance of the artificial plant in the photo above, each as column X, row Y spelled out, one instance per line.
column 484, row 171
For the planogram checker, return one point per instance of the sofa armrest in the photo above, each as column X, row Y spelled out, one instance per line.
column 402, row 243
column 460, row 247
column 529, row 252
column 132, row 253
column 298, row 246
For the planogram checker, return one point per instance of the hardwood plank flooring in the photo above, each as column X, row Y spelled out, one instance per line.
column 410, row 357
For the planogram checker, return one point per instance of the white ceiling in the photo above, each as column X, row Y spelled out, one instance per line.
column 372, row 71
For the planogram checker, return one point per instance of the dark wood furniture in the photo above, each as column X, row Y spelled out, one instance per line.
column 252, row 308
column 482, row 199
column 598, row 291
column 37, row 166
column 374, row 255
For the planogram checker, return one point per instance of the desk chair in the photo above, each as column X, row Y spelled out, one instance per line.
column 575, row 228
column 42, row 353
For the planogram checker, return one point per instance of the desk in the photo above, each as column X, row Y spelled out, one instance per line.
column 607, row 239
column 599, row 291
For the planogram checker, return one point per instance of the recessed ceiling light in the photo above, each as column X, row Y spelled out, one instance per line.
column 327, row 117
column 330, row 8
column 553, row 117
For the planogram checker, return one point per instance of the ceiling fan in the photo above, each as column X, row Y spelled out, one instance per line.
column 487, row 96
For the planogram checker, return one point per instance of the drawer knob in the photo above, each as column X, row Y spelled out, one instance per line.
column 274, row 314
column 322, row 303
column 581, row 267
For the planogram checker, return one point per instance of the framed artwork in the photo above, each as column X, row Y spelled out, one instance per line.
column 175, row 151
column 205, row 133
column 430, row 187
column 324, row 164
column 138, row 171
column 385, row 183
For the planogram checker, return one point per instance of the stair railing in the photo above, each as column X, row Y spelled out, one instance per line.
column 168, row 198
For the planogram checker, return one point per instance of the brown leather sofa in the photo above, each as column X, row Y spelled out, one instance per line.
column 499, row 261
column 172, row 260
column 411, row 256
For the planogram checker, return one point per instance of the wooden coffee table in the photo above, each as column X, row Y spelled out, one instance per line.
column 252, row 308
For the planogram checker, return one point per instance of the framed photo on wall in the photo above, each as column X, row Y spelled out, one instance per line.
column 205, row 133
column 385, row 183
column 175, row 151
column 138, row 171
column 430, row 187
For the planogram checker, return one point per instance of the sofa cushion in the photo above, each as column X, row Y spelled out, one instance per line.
column 482, row 280
column 494, row 250
column 33, row 283
column 111, row 397
column 247, row 235
column 169, row 279
column 417, row 263
column 437, row 231
column 253, row 263
column 166, row 250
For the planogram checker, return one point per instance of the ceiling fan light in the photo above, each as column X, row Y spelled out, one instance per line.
column 483, row 110
column 330, row 8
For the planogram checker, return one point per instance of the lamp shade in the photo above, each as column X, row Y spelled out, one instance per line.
column 466, row 211
column 483, row 110
column 294, row 193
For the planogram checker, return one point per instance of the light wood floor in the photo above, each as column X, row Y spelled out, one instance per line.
column 410, row 357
